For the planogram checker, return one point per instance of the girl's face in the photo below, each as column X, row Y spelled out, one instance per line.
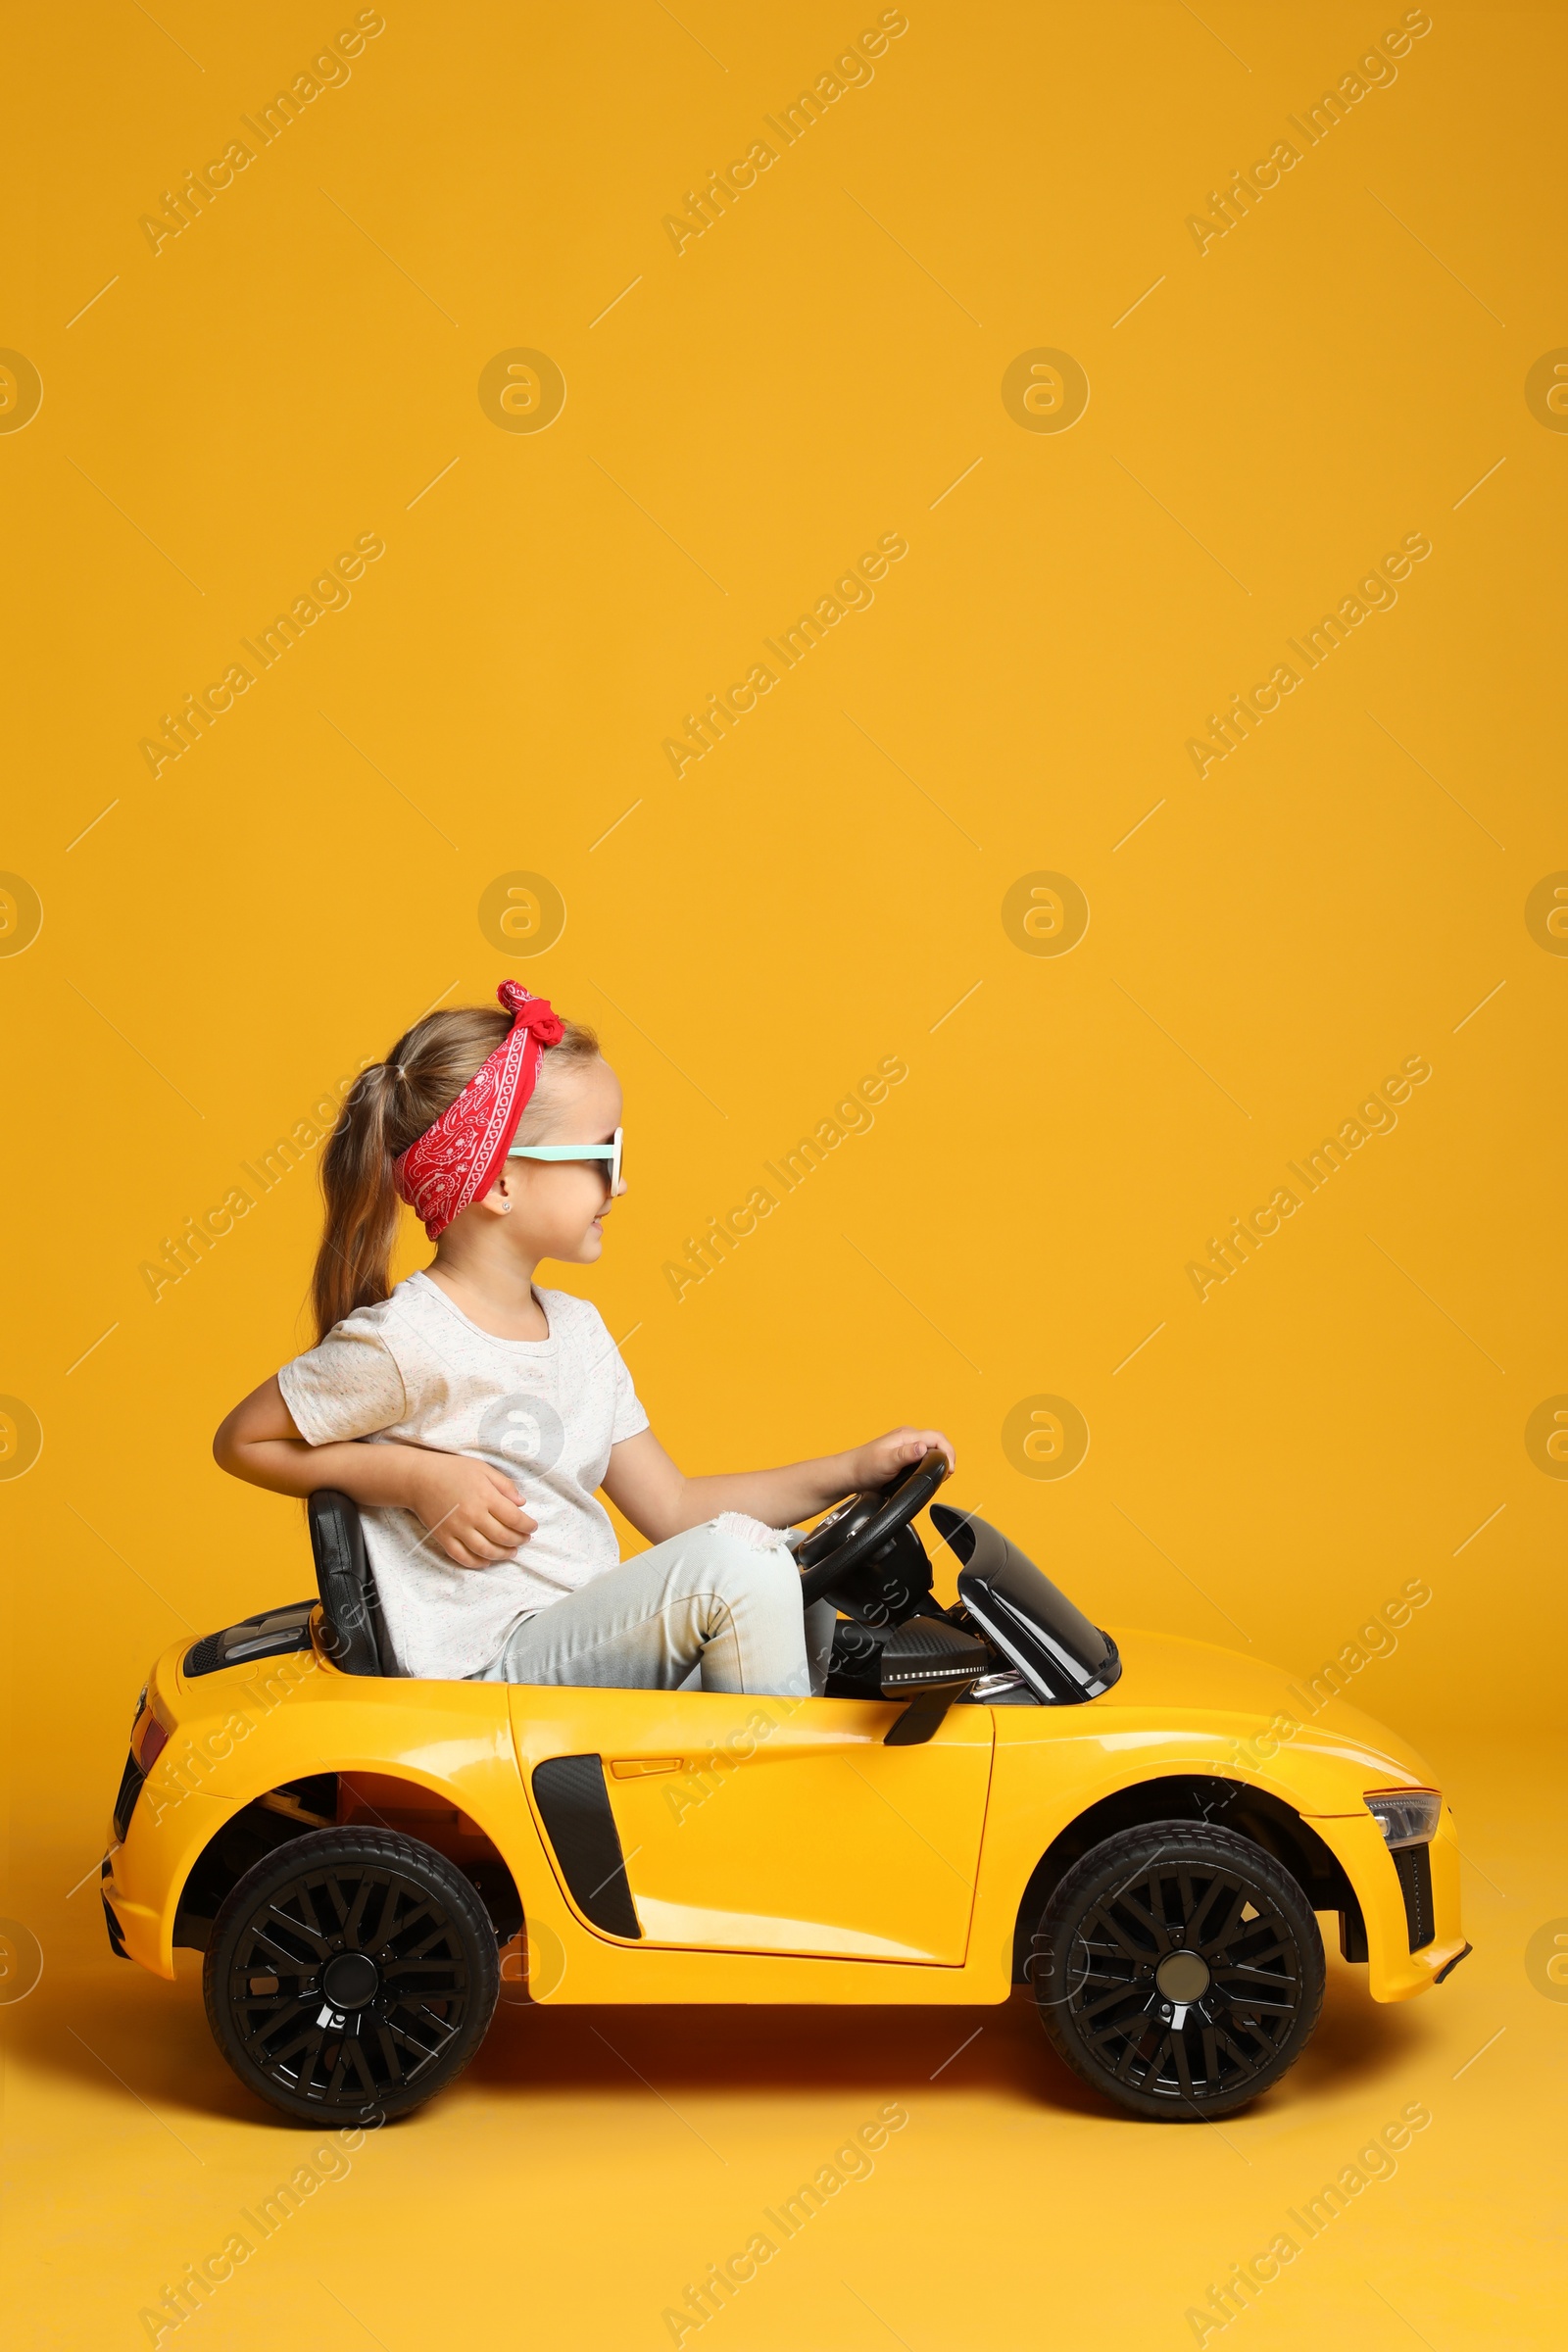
column 559, row 1206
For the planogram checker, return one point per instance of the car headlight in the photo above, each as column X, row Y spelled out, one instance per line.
column 1406, row 1816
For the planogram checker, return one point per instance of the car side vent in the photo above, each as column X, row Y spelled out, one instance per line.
column 576, row 1804
column 1414, row 1865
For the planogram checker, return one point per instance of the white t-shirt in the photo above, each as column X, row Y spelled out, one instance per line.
column 545, row 1412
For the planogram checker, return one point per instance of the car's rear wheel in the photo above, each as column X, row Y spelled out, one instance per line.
column 1179, row 1969
column 351, row 1974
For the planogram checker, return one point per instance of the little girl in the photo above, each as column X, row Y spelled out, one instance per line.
column 473, row 1418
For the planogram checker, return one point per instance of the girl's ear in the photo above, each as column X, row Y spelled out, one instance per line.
column 498, row 1199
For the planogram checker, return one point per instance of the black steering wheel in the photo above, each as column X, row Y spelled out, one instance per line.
column 858, row 1527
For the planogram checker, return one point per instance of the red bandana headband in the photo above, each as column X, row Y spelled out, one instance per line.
column 458, row 1159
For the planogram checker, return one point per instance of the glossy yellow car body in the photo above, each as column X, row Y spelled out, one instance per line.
column 776, row 1850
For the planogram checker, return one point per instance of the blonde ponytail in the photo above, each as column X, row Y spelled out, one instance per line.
column 387, row 1107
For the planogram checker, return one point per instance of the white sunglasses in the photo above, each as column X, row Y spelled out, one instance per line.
column 611, row 1152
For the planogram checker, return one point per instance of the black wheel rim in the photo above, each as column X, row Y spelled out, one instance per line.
column 1134, row 1986
column 348, row 1984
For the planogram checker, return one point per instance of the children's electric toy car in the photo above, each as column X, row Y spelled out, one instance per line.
column 1142, row 1827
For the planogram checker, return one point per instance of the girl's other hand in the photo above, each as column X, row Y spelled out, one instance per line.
column 473, row 1513
column 885, row 1459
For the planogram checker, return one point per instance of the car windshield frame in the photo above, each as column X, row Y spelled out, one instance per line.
column 1065, row 1658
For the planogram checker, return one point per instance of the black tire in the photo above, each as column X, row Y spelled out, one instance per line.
column 1231, row 1933
column 414, row 1953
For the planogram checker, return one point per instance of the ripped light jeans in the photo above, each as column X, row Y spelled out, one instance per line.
column 716, row 1608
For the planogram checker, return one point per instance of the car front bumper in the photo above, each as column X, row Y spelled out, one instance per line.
column 1399, row 1904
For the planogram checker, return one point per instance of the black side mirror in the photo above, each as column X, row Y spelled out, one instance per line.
column 930, row 1663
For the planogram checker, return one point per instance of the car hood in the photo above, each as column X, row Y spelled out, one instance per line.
column 1167, row 1675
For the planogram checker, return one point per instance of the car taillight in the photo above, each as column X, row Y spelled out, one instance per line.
column 150, row 1744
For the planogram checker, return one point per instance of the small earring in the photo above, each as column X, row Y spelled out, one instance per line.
column 505, row 1208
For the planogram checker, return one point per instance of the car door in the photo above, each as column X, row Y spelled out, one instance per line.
column 771, row 1825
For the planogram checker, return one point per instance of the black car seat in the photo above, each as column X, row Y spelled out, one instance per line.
column 357, row 1639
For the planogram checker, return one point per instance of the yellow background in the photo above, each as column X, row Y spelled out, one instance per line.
column 301, row 365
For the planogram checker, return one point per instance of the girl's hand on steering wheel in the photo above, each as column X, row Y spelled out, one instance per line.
column 882, row 1461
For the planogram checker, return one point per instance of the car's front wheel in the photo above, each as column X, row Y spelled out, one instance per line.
column 1179, row 1969
column 351, row 1974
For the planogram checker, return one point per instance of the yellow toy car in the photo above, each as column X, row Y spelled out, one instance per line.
column 995, row 1792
